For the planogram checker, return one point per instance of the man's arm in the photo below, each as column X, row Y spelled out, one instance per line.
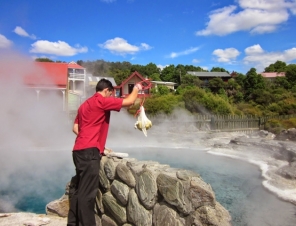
column 75, row 128
column 132, row 97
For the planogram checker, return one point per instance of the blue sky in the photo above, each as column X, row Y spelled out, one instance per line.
column 233, row 34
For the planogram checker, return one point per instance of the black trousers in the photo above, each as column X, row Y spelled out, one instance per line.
column 84, row 187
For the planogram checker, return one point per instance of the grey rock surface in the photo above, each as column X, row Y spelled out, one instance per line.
column 125, row 174
column 111, row 206
column 136, row 213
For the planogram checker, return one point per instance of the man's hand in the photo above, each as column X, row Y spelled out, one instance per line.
column 139, row 86
column 107, row 151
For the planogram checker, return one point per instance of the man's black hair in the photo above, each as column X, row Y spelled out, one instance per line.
column 103, row 84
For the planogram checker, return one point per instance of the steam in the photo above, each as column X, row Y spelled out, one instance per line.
column 36, row 144
column 28, row 127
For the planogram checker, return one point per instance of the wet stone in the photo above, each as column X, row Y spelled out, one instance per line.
column 120, row 191
column 117, row 211
column 110, row 169
column 125, row 174
column 104, row 182
column 164, row 215
column 136, row 213
column 173, row 192
column 146, row 188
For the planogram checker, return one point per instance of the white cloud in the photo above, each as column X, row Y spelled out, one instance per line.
column 21, row 32
column 205, row 68
column 121, row 47
column 255, row 16
column 4, row 42
column 58, row 48
column 185, row 52
column 261, row 59
column 161, row 67
column 195, row 61
column 145, row 46
column 108, row 1
column 253, row 50
column 226, row 55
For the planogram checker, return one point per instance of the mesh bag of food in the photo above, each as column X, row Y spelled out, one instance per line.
column 143, row 123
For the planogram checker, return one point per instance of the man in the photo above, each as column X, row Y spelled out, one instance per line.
column 91, row 127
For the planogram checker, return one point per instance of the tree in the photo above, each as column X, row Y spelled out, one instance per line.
column 120, row 75
column 291, row 74
column 43, row 60
column 253, row 81
column 218, row 69
column 199, row 101
column 215, row 84
column 281, row 82
column 240, row 78
column 139, row 68
column 190, row 80
column 167, row 73
column 150, row 69
column 155, row 77
column 79, row 62
column 278, row 66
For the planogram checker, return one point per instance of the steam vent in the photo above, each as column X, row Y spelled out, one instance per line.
column 144, row 193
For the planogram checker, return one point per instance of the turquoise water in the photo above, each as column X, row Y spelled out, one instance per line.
column 237, row 185
column 30, row 180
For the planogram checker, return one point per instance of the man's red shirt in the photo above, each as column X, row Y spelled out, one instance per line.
column 93, row 121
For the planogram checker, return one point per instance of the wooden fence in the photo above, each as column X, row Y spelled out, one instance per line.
column 219, row 123
column 215, row 123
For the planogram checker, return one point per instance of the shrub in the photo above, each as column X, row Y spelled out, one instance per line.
column 273, row 126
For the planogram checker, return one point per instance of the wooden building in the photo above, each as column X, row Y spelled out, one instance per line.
column 126, row 87
column 205, row 77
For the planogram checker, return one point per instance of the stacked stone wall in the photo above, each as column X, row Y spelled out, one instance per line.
column 145, row 193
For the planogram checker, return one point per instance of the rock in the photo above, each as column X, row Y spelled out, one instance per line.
column 110, row 168
column 164, row 215
column 125, row 174
column 104, row 182
column 146, row 193
column 99, row 207
column 32, row 219
column 288, row 172
column 208, row 215
column 117, row 211
column 173, row 191
column 146, row 188
column 59, row 207
column 120, row 191
column 107, row 221
column 136, row 213
column 186, row 174
column 201, row 193
column 289, row 134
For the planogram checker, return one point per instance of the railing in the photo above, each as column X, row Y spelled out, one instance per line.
column 217, row 123
column 214, row 123
column 76, row 76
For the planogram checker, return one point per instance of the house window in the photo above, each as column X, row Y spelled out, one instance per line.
column 130, row 88
column 117, row 93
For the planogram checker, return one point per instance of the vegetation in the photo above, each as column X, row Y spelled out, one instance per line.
column 249, row 94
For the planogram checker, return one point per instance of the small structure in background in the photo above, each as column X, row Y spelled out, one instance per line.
column 72, row 83
column 205, row 77
column 272, row 75
column 76, row 78
column 126, row 87
column 48, row 78
column 169, row 85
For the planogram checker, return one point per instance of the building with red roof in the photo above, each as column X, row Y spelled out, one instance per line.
column 63, row 79
column 126, row 87
column 272, row 75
